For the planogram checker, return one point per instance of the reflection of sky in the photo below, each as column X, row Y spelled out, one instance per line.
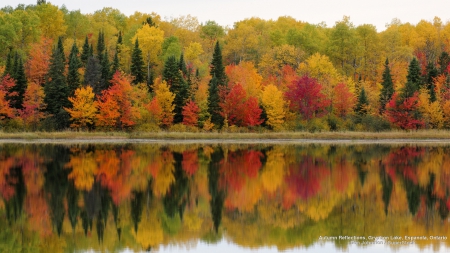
column 227, row 247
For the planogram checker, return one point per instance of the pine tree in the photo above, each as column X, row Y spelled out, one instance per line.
column 16, row 101
column 217, row 68
column 137, row 64
column 75, row 52
column 73, row 77
column 106, row 71
column 93, row 74
column 182, row 65
column 115, row 65
column 219, row 79
column 91, row 51
column 119, row 40
column 85, row 52
column 100, row 46
column 432, row 73
column 60, row 48
column 413, row 78
column 388, row 87
column 178, row 86
column 9, row 65
column 362, row 104
column 57, row 91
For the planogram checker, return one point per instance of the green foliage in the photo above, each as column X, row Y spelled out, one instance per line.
column 170, row 48
column 178, row 86
column 388, row 86
column 213, row 102
column 362, row 104
column 16, row 101
column 137, row 64
column 93, row 74
column 414, row 79
column 73, row 76
column 432, row 73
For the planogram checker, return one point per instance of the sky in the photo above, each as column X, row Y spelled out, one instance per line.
column 375, row 12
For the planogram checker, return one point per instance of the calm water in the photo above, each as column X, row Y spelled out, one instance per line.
column 225, row 198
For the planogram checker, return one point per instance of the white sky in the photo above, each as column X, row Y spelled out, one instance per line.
column 226, row 12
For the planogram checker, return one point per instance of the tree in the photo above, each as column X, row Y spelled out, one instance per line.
column 219, row 80
column 344, row 100
column 165, row 99
column 404, row 112
column 216, row 68
column 85, row 53
column 106, row 71
column 245, row 74
column 432, row 73
column 190, row 113
column 57, row 91
column 306, row 97
column 6, row 111
column 387, row 89
column 73, row 76
column 137, row 64
column 414, row 79
column 33, row 105
column 100, row 46
column 39, row 60
column 93, row 74
column 83, row 110
column 363, row 103
column 274, row 105
column 52, row 20
column 151, row 39
column 18, row 90
column 178, row 86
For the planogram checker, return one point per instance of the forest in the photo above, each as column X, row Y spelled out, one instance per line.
column 105, row 71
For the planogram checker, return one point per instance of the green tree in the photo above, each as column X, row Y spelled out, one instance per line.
column 362, row 104
column 432, row 73
column 16, row 100
column 413, row 79
column 178, row 86
column 219, row 79
column 100, row 46
column 137, row 64
column 444, row 61
column 106, row 71
column 93, row 74
column 388, row 87
column 73, row 76
column 60, row 48
column 57, row 91
column 9, row 64
column 85, row 53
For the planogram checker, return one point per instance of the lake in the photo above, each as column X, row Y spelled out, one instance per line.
column 257, row 197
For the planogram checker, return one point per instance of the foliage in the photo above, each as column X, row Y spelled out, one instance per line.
column 83, row 110
column 33, row 105
column 190, row 113
column 404, row 113
column 274, row 105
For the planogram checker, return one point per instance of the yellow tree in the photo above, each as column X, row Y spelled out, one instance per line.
column 274, row 104
column 165, row 99
column 150, row 41
column 245, row 74
column 52, row 20
column 431, row 111
column 83, row 109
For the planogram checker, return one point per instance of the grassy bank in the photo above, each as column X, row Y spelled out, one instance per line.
column 419, row 135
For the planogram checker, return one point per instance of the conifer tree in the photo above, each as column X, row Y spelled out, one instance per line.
column 178, row 86
column 137, row 64
column 413, row 79
column 219, row 79
column 60, row 48
column 388, row 87
column 362, row 104
column 100, row 46
column 57, row 91
column 75, row 52
column 182, row 65
column 93, row 74
column 432, row 73
column 106, row 71
column 115, row 65
column 444, row 61
column 73, row 76
column 85, row 53
column 16, row 101
column 9, row 65
column 91, row 51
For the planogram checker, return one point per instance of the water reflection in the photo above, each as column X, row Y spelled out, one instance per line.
column 57, row 198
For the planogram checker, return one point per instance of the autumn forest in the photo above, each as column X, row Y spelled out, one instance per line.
column 106, row 71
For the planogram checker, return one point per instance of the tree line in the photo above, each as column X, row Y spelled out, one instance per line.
column 64, row 69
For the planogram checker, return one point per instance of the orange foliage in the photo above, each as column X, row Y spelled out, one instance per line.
column 344, row 100
column 190, row 113
column 39, row 60
column 33, row 105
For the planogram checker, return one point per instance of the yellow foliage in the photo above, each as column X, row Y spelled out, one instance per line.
column 150, row 233
column 84, row 167
column 192, row 53
column 150, row 41
column 274, row 104
column 165, row 99
column 245, row 73
column 83, row 109
column 273, row 173
column 431, row 112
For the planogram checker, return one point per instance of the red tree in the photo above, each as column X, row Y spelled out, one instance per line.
column 344, row 100
column 5, row 108
column 404, row 113
column 190, row 113
column 305, row 96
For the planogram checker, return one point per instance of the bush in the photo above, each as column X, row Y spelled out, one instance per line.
column 317, row 125
column 375, row 123
column 12, row 125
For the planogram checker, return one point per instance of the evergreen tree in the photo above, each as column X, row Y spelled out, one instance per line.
column 363, row 102
column 182, row 66
column 178, row 86
column 432, row 73
column 85, row 53
column 100, row 46
column 388, row 87
column 75, row 52
column 137, row 64
column 91, row 51
column 93, row 74
column 413, row 79
column 16, row 101
column 217, row 68
column 213, row 102
column 57, row 91
column 444, row 61
column 60, row 48
column 15, row 65
column 9, row 65
column 115, row 65
column 119, row 40
column 106, row 71
column 219, row 79
column 73, row 77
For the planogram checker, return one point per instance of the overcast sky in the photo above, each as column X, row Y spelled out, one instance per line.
column 375, row 12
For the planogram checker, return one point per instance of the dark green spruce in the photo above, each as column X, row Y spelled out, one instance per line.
column 137, row 64
column 413, row 79
column 219, row 79
column 177, row 85
column 387, row 89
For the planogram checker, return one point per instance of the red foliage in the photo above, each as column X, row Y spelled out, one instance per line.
column 239, row 166
column 190, row 113
column 305, row 96
column 190, row 162
column 402, row 161
column 239, row 110
column 404, row 113
column 5, row 108
column 305, row 178
column 344, row 100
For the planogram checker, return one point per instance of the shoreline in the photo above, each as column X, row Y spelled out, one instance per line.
column 391, row 137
